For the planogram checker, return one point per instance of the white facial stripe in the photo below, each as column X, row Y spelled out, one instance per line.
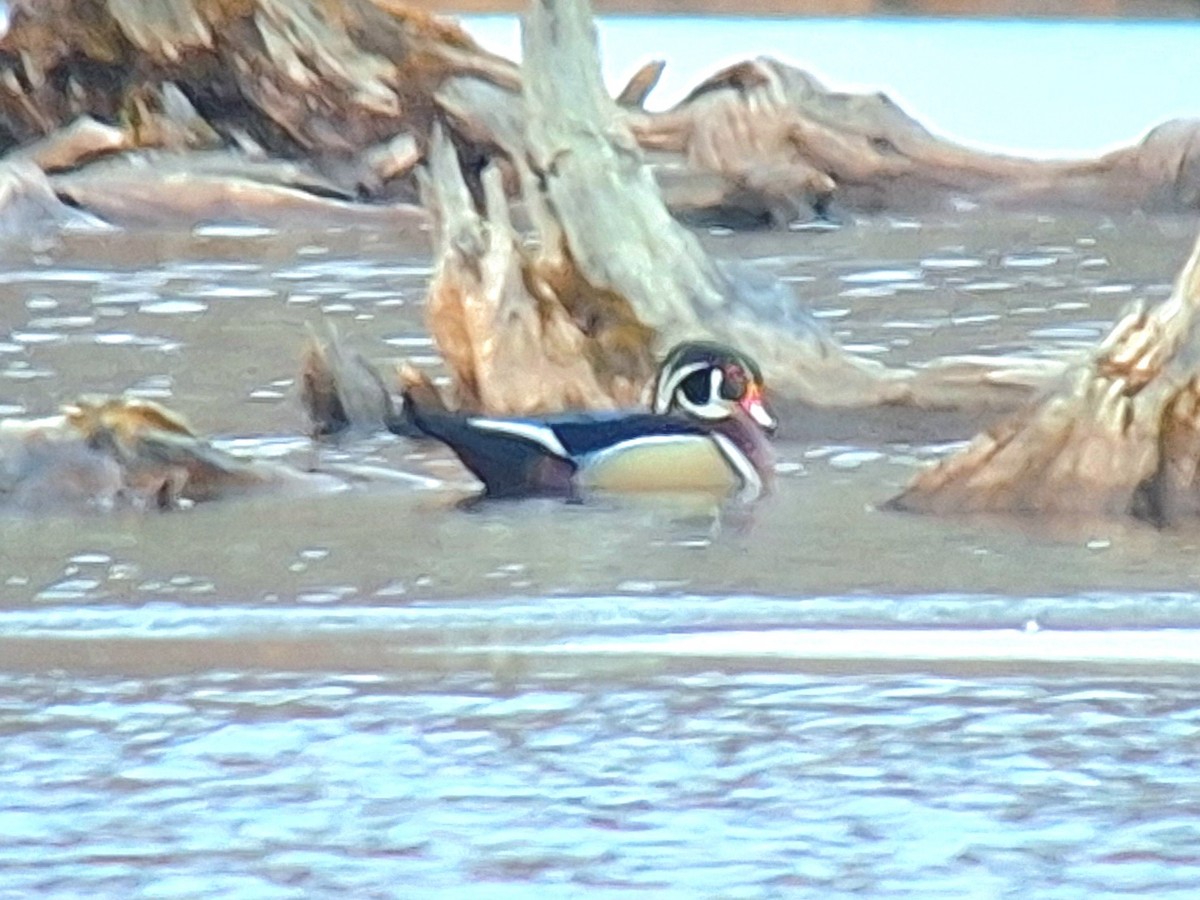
column 713, row 409
column 759, row 414
column 710, row 411
column 668, row 386
column 752, row 484
column 715, row 380
column 530, row 431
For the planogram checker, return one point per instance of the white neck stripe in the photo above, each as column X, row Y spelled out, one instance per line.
column 541, row 435
column 752, row 483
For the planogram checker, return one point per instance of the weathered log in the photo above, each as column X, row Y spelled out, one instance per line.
column 342, row 394
column 776, row 136
column 73, row 145
column 29, row 205
column 152, row 188
column 334, row 81
column 519, row 328
column 599, row 211
column 109, row 453
column 639, row 86
column 763, row 143
column 1120, row 434
column 346, row 87
column 314, row 78
column 100, row 169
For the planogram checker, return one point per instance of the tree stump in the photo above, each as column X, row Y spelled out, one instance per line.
column 1119, row 434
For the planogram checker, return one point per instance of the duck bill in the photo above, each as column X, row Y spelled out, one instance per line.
column 756, row 408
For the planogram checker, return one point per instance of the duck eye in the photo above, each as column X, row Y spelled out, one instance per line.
column 696, row 387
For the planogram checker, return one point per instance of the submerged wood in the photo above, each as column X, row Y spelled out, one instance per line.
column 1120, row 434
column 30, row 206
column 115, row 453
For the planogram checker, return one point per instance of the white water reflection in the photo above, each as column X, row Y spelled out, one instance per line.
column 951, row 634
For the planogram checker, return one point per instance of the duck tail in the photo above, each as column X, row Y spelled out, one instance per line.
column 341, row 392
column 421, row 400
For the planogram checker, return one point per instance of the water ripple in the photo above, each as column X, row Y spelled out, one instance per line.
column 756, row 785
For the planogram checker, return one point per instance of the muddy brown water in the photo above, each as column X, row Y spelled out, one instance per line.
column 379, row 693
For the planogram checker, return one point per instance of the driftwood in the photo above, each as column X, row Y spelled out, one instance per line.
column 110, row 453
column 519, row 328
column 614, row 277
column 354, row 87
column 785, row 146
column 297, row 77
column 153, row 188
column 341, row 86
column 575, row 317
column 613, row 272
column 1120, row 434
column 30, row 206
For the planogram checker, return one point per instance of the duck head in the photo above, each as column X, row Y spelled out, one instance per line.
column 712, row 382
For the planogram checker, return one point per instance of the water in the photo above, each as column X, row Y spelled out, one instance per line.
column 380, row 693
column 704, row 784
column 346, row 694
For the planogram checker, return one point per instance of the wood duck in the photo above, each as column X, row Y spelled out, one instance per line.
column 707, row 431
